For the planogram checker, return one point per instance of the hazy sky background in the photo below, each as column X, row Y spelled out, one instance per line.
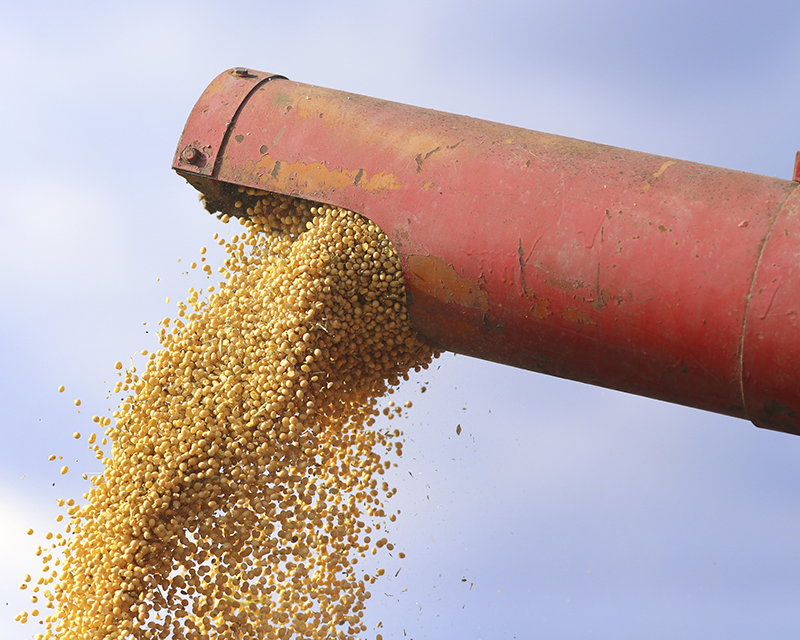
column 562, row 510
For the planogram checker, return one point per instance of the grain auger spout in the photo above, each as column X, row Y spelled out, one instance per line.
column 664, row 278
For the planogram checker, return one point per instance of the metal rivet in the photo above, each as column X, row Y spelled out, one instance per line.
column 241, row 72
column 191, row 155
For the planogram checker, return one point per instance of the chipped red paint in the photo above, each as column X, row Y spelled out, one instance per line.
column 650, row 275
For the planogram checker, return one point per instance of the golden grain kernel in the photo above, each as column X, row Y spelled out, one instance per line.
column 64, row 469
column 245, row 457
column 61, row 389
column 76, row 435
column 77, row 403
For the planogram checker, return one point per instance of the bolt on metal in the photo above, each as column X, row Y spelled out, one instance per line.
column 191, row 155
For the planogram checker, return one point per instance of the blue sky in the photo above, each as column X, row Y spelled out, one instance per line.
column 561, row 510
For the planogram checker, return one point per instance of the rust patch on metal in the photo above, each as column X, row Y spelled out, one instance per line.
column 541, row 309
column 439, row 280
column 570, row 314
column 605, row 297
column 316, row 175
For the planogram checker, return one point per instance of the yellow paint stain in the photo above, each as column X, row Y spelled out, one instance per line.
column 429, row 185
column 571, row 314
column 658, row 173
column 317, row 176
column 382, row 182
column 663, row 168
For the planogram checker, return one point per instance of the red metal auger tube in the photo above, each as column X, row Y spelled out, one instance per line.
column 650, row 275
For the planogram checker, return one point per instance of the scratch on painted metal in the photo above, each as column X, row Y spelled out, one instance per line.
column 420, row 158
